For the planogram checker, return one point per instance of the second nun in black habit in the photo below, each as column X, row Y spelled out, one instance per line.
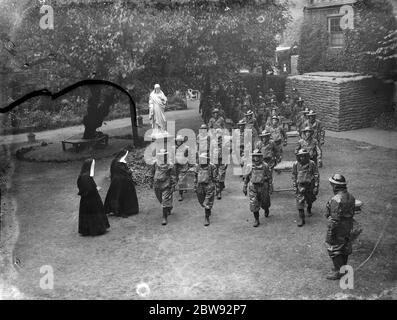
column 121, row 199
column 92, row 217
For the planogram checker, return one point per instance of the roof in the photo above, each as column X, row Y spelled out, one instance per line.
column 315, row 4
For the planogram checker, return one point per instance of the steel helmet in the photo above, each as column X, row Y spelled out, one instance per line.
column 338, row 179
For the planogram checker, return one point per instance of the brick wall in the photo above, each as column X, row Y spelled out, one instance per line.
column 343, row 101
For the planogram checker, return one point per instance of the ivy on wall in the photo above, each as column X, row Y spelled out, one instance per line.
column 373, row 22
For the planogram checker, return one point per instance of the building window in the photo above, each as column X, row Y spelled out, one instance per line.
column 336, row 38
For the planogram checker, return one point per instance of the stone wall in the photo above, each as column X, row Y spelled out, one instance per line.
column 343, row 101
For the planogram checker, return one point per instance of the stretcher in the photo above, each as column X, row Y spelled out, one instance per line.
column 283, row 166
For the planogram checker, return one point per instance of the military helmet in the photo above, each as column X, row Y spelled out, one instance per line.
column 286, row 96
column 302, row 152
column 311, row 113
column 241, row 123
column 270, row 90
column 276, row 117
column 216, row 110
column 204, row 126
column 338, row 179
column 257, row 153
column 249, row 113
column 179, row 138
column 308, row 128
column 306, row 110
column 265, row 133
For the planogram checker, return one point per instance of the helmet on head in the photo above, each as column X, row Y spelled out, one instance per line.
column 337, row 179
column 216, row 110
column 249, row 113
column 257, row 153
column 311, row 113
column 276, row 118
column 265, row 133
column 270, row 90
column 302, row 152
column 203, row 126
column 241, row 123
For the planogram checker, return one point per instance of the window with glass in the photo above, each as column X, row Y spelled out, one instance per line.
column 336, row 38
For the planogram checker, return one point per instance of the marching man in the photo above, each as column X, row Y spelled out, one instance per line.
column 204, row 183
column 259, row 179
column 305, row 181
column 163, row 179
column 311, row 145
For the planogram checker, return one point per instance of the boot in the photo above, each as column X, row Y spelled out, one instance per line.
column 256, row 216
column 309, row 210
column 180, row 196
column 219, row 195
column 345, row 258
column 267, row 212
column 207, row 217
column 301, row 218
column 165, row 214
column 338, row 263
column 271, row 187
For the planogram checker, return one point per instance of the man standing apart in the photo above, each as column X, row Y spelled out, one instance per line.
column 340, row 212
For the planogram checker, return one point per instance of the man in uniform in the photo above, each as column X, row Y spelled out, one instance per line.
column 221, row 167
column 268, row 150
column 181, row 164
column 259, row 195
column 301, row 122
column 316, row 125
column 311, row 145
column 241, row 128
column 278, row 135
column 270, row 96
column 305, row 181
column 163, row 179
column 216, row 121
column 204, row 184
column 247, row 99
column 340, row 212
column 286, row 108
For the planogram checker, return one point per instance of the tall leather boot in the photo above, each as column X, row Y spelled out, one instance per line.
column 207, row 217
column 301, row 218
column 267, row 211
column 338, row 262
column 165, row 214
column 180, row 196
column 256, row 216
column 345, row 259
column 309, row 210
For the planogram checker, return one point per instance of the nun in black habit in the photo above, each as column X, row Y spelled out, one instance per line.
column 92, row 218
column 121, row 199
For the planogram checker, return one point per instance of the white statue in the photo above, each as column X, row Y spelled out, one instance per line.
column 157, row 104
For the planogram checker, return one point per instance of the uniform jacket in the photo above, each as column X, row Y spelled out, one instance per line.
column 305, row 174
column 277, row 134
column 163, row 175
column 216, row 123
column 259, row 173
column 310, row 145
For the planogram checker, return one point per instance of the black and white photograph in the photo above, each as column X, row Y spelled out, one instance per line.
column 216, row 152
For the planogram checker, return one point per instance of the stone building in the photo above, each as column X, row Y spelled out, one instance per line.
column 343, row 100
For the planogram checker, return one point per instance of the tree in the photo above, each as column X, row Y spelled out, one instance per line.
column 90, row 42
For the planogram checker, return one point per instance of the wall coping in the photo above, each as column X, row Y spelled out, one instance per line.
column 333, row 77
